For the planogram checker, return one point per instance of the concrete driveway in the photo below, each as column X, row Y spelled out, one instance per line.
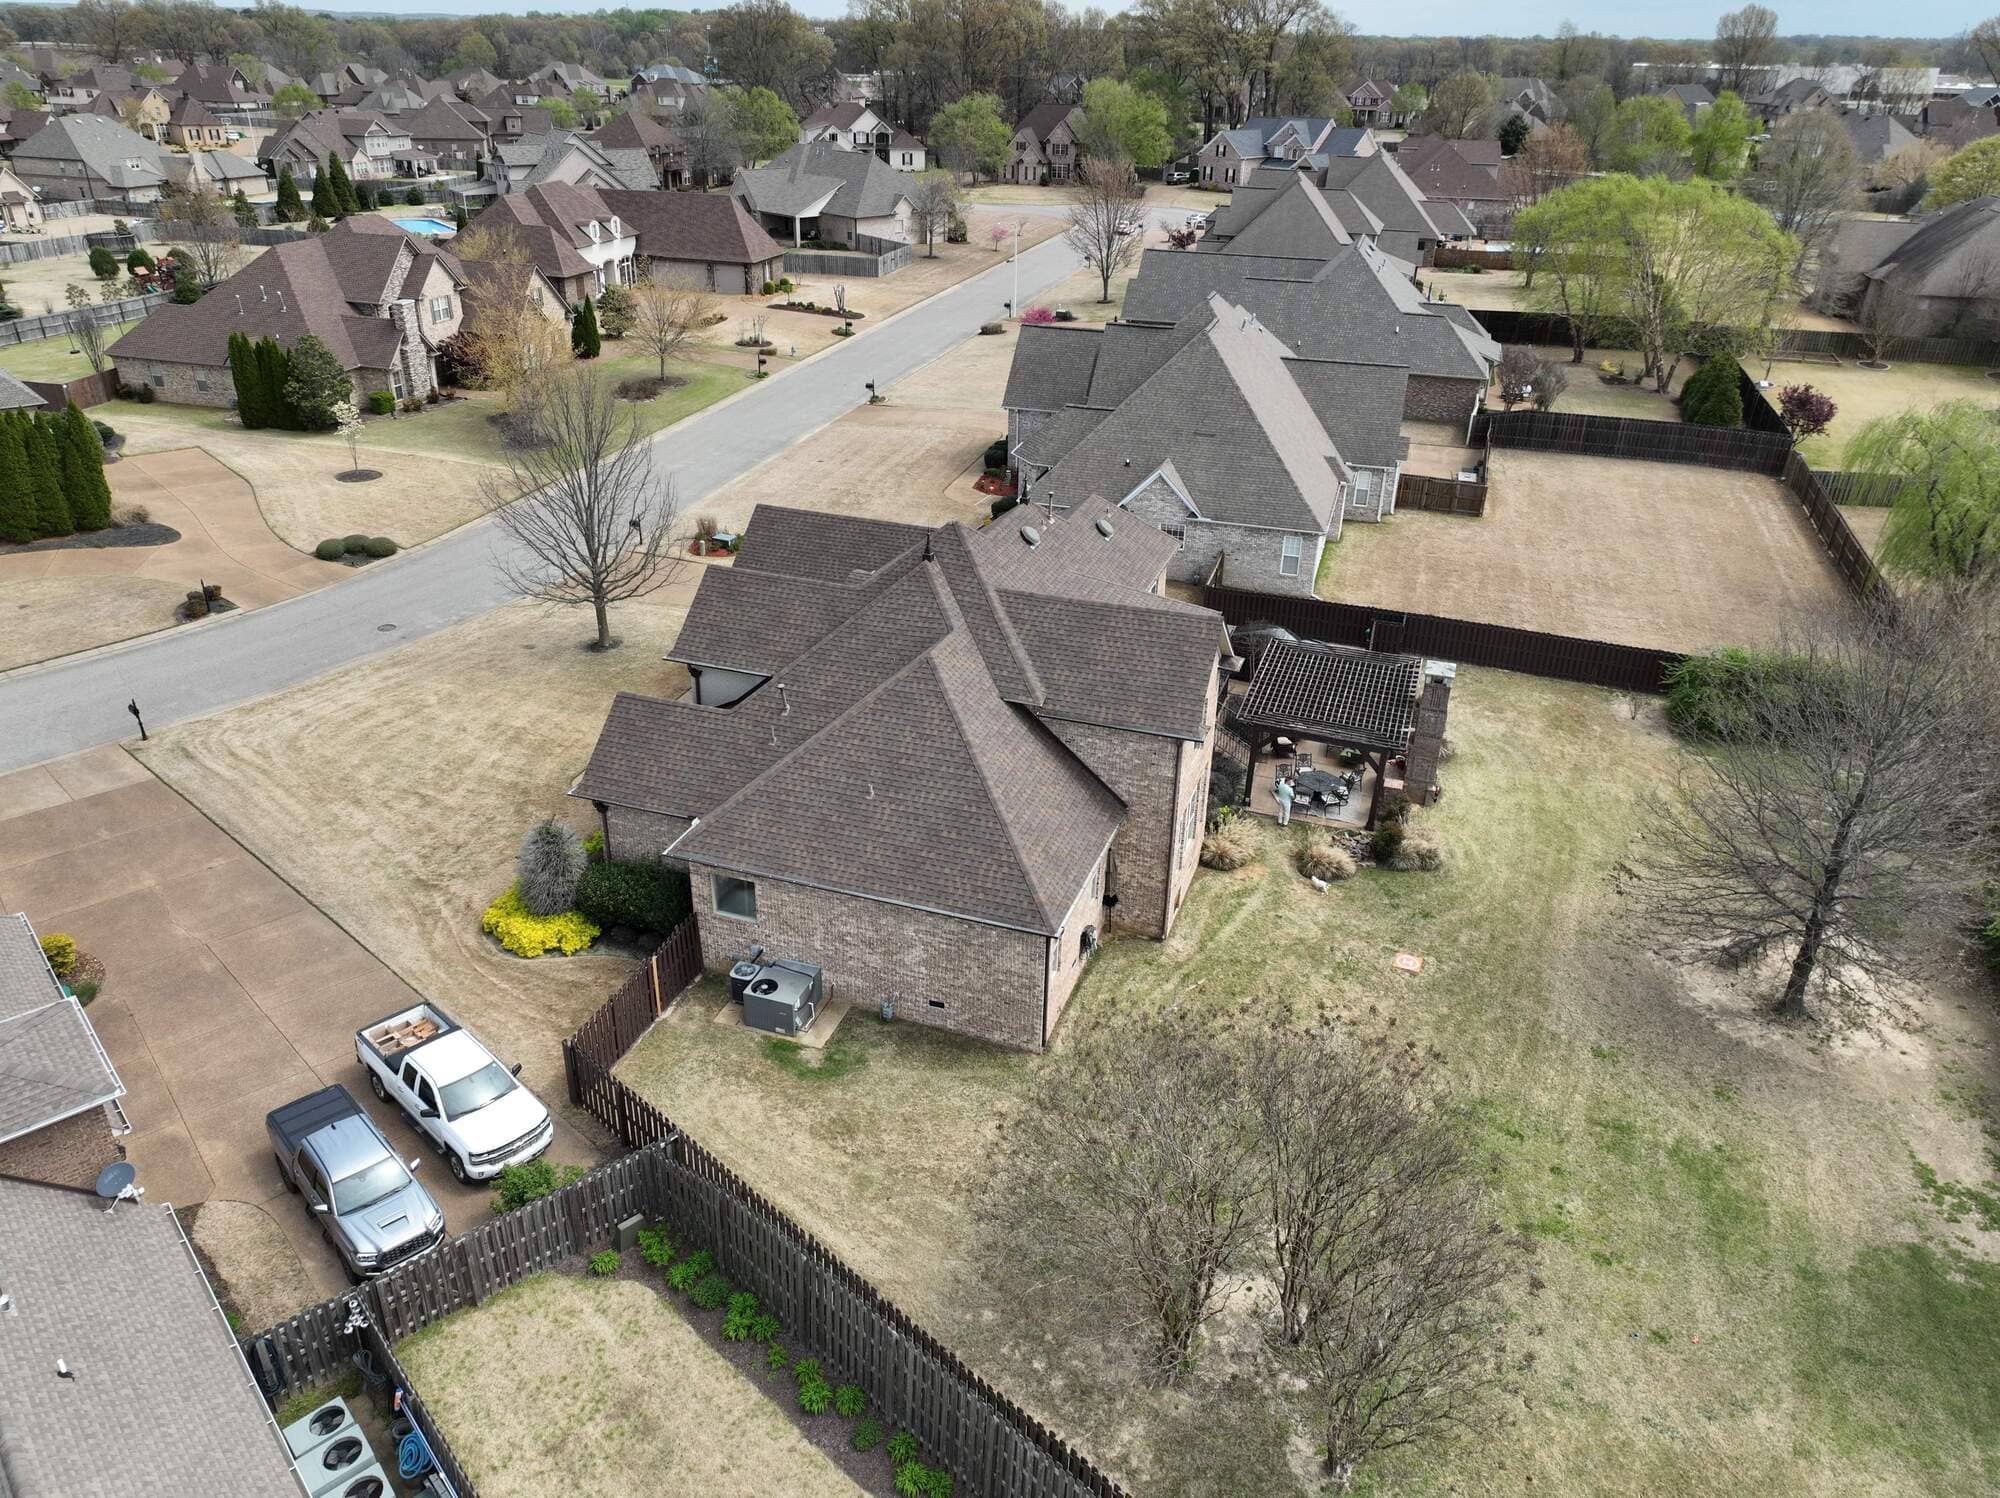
column 226, row 992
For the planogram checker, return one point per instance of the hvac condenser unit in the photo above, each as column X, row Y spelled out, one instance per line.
column 328, row 1469
column 783, row 999
column 314, row 1430
column 369, row 1482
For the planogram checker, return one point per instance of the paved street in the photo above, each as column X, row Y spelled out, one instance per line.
column 66, row 707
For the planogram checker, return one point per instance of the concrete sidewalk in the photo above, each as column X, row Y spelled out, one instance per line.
column 226, row 992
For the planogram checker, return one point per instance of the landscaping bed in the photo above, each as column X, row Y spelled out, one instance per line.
column 143, row 533
column 816, row 310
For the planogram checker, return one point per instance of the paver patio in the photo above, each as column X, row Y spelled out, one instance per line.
column 226, row 992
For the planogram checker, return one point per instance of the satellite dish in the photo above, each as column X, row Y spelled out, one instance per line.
column 114, row 1184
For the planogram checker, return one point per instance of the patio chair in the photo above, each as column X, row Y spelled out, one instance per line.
column 1303, row 760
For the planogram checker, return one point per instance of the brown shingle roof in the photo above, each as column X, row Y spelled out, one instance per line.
column 693, row 226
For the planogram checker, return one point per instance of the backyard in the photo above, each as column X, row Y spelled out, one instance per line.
column 1737, row 1281
column 598, row 1389
column 1661, row 554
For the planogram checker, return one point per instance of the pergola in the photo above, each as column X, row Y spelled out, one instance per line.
column 1337, row 695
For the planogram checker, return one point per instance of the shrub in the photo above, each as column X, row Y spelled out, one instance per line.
column 655, row 1247
column 996, row 453
column 382, row 402
column 379, row 547
column 605, row 1263
column 1551, row 382
column 1320, row 857
column 1395, row 807
column 1386, row 842
column 685, row 1275
column 525, row 934
column 902, row 1448
column 60, row 950
column 770, row 288
column 740, row 1318
column 784, row 283
column 815, row 1393
column 710, row 1291
column 647, row 896
column 549, row 867
column 806, row 1368
column 867, row 1434
column 1226, row 848
column 987, row 328
column 146, row 395
column 85, row 990
column 1713, row 395
column 520, row 1184
column 356, row 544
column 775, row 1358
column 1805, row 411
column 105, row 433
column 593, row 846
column 1712, row 696
column 913, row 1479
column 849, row 1400
column 103, row 264
column 414, row 197
column 763, row 1327
column 1419, row 852
column 1038, row 315
column 640, row 388
column 1003, row 504
column 330, row 550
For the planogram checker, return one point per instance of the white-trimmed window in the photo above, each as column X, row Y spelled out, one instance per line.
column 159, row 382
column 1364, row 485
column 1178, row 532
column 440, row 309
column 735, row 898
column 1289, row 553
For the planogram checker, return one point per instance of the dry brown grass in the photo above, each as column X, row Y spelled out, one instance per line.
column 1660, row 554
column 44, row 617
column 597, row 1389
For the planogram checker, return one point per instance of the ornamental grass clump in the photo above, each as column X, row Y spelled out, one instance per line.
column 547, row 869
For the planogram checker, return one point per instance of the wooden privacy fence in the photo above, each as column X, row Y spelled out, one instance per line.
column 1547, row 328
column 1624, row 437
column 1845, row 487
column 105, row 314
column 86, row 390
column 1843, row 548
column 1598, row 663
column 1420, row 491
column 1453, row 257
column 49, row 247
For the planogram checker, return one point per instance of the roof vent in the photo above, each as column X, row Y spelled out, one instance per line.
column 1032, row 536
column 1103, row 527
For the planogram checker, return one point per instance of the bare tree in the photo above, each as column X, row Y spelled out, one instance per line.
column 1106, row 218
column 1129, row 1180
column 934, row 202
column 666, row 312
column 1807, row 175
column 1888, row 311
column 1847, row 792
column 1745, row 40
column 1392, row 1250
column 1984, row 41
column 508, row 339
column 204, row 223
column 1545, row 162
column 85, row 326
column 589, row 521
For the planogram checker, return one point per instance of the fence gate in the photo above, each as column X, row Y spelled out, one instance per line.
column 1385, row 631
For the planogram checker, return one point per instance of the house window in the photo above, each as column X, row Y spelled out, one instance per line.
column 200, row 379
column 1288, row 556
column 396, row 380
column 1364, row 483
column 535, row 295
column 159, row 382
column 440, row 309
column 1179, row 533
column 735, row 898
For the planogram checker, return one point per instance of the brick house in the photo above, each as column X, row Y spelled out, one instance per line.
column 853, row 126
column 1047, row 145
column 382, row 300
column 819, row 191
column 60, row 1116
column 1211, row 431
column 936, row 763
column 78, row 156
column 454, row 132
column 366, row 143
column 190, row 126
column 1230, row 156
column 1371, row 197
column 635, row 130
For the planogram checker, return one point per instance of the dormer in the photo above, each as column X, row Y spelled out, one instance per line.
column 617, row 228
column 590, row 228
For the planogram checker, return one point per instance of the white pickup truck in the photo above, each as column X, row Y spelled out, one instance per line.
column 452, row 1090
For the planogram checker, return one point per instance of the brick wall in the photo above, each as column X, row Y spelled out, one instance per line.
column 1067, row 957
column 985, row 981
column 636, row 836
column 70, row 1153
column 180, row 384
column 1431, row 398
column 1254, row 556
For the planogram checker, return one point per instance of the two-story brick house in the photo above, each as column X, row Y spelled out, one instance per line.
column 1230, row 156
column 937, row 763
column 855, row 126
column 1047, row 145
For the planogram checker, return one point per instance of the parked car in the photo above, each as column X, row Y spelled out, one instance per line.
column 370, row 1207
column 470, row 1108
column 1175, row 174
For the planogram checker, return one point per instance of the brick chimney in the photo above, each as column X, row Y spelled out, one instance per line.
column 1420, row 762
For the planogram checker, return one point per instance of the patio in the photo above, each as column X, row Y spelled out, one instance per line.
column 1344, row 724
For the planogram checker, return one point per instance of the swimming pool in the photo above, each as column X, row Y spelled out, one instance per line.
column 436, row 228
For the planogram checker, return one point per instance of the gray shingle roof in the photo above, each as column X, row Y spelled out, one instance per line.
column 51, row 1065
column 16, row 396
column 903, row 761
column 160, row 1400
column 1052, row 366
column 800, row 180
column 110, row 152
column 1291, row 219
column 693, row 226
column 1042, row 120
column 1950, row 255
column 1360, row 405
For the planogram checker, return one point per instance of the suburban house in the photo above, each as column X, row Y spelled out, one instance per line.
column 667, row 88
column 60, row 1119
column 382, row 299
column 1047, row 144
column 825, row 193
column 1692, row 98
column 78, row 156
column 937, row 763
column 635, row 130
column 20, row 125
column 224, row 89
column 452, row 132
column 190, row 126
column 1940, row 274
column 567, row 79
column 1975, row 106
column 1373, row 104
column 1772, row 101
column 1356, row 306
column 330, row 85
column 855, row 126
column 66, row 94
column 1233, row 155
column 563, row 157
column 1282, row 214
column 366, row 144
column 118, row 1372
column 509, row 121
column 1212, row 431
column 222, row 172
column 143, row 111
column 573, row 236
column 472, row 83
column 1876, row 137
column 1369, row 197
column 699, row 239
column 1462, row 173
column 20, row 209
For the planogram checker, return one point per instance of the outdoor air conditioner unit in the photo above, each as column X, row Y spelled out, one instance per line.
column 370, row 1481
column 313, row 1430
column 329, row 1468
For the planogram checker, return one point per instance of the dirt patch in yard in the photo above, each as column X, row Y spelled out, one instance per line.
column 1659, row 554
column 262, row 1275
column 596, row 1389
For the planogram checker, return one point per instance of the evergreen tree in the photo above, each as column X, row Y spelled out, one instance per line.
column 315, row 384
column 364, row 197
column 83, row 470
column 187, row 282
column 274, row 372
column 240, row 209
column 584, row 339
column 324, row 203
column 341, row 188
column 289, row 209
column 458, row 219
column 251, row 407
column 52, row 517
column 17, row 504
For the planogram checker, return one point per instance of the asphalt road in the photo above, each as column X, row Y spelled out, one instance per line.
column 67, row 706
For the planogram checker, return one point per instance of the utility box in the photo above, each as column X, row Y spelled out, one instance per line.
column 783, row 999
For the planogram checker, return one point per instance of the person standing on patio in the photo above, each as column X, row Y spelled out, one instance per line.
column 1283, row 791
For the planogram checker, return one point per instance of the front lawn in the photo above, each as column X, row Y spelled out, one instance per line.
column 1738, row 1282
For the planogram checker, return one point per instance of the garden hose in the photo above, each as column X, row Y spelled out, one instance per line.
column 413, row 1456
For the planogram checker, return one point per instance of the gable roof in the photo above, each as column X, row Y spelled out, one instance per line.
column 49, row 1055
column 693, row 226
column 1290, row 219
column 107, row 150
column 634, row 130
column 188, row 110
column 444, row 118
column 1041, row 121
column 1954, row 253
column 843, row 115
column 1876, row 136
column 819, row 177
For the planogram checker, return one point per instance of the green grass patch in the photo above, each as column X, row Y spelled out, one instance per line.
column 1958, row 1201
column 54, row 358
column 838, row 1059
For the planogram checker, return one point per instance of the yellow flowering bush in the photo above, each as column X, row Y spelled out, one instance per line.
column 524, row 934
column 61, row 953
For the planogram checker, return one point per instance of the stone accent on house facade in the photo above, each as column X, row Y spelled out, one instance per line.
column 1430, row 398
column 981, row 980
column 637, row 836
column 1253, row 558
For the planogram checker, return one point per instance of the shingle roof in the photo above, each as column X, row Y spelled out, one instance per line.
column 106, row 148
column 1876, row 136
column 16, row 396
column 1292, row 219
column 903, row 760
column 188, row 110
column 51, row 1065
column 1052, row 366
column 839, row 116
column 693, row 226
column 159, row 1398
column 1950, row 254
column 818, row 176
column 1360, row 405
column 634, row 130
column 1041, row 121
